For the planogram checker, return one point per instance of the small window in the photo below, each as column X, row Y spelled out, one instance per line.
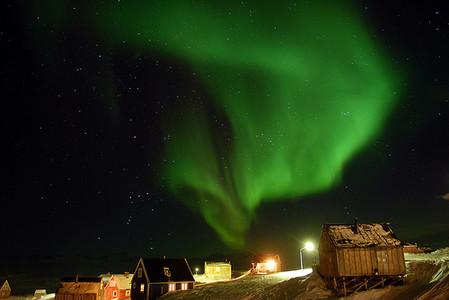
column 139, row 273
column 142, row 287
column 114, row 293
column 127, row 293
column 183, row 286
column 171, row 287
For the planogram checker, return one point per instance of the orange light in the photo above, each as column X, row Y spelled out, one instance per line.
column 271, row 265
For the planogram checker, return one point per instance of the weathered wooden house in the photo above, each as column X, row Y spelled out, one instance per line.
column 116, row 286
column 157, row 276
column 218, row 270
column 266, row 263
column 79, row 288
column 360, row 256
column 5, row 289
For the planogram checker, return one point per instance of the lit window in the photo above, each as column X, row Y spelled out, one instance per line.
column 114, row 293
column 217, row 269
column 142, row 287
column 183, row 286
column 128, row 292
column 139, row 273
column 171, row 287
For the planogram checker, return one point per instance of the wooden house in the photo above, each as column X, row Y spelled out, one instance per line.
column 79, row 288
column 415, row 248
column 360, row 256
column 266, row 263
column 217, row 270
column 157, row 276
column 116, row 286
column 39, row 293
column 5, row 289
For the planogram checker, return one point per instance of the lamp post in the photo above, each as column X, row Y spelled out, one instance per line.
column 308, row 246
column 196, row 270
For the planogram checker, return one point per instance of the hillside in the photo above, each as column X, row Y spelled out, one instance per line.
column 427, row 278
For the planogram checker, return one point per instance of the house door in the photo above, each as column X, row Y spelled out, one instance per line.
column 382, row 262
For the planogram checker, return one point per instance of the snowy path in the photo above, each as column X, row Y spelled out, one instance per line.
column 248, row 287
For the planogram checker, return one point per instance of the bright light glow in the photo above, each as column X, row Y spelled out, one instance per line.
column 309, row 246
column 292, row 274
column 271, row 265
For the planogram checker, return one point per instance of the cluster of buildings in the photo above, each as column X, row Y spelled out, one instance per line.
column 151, row 279
column 351, row 257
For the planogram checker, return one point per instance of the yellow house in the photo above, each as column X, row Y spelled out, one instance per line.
column 217, row 270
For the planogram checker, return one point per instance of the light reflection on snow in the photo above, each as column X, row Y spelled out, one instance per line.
column 292, row 274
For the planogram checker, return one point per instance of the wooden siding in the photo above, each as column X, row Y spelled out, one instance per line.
column 328, row 257
column 359, row 261
column 76, row 297
column 370, row 261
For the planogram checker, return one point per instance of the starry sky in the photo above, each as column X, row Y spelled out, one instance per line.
column 110, row 136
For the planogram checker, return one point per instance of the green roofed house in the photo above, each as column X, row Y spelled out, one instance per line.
column 157, row 276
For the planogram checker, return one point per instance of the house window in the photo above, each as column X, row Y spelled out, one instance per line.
column 139, row 273
column 114, row 293
column 183, row 286
column 172, row 287
column 142, row 287
column 127, row 293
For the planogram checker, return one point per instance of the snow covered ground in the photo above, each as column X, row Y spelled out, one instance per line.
column 427, row 279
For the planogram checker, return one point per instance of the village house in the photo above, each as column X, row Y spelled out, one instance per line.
column 79, row 288
column 217, row 270
column 266, row 263
column 360, row 256
column 157, row 276
column 116, row 286
column 5, row 289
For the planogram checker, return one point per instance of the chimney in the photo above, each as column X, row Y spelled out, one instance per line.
column 356, row 225
column 126, row 274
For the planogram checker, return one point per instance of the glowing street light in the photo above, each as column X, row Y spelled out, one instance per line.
column 308, row 246
column 196, row 270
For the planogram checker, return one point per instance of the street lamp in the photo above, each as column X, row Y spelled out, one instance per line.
column 308, row 246
column 196, row 270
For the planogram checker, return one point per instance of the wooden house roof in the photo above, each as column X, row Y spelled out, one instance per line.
column 361, row 235
column 83, row 286
column 168, row 269
column 4, row 284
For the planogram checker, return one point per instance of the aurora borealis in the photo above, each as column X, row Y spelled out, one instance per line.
column 300, row 89
column 216, row 130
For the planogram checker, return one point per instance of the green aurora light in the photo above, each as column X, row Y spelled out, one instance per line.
column 302, row 87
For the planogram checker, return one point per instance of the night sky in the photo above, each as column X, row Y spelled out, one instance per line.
column 192, row 129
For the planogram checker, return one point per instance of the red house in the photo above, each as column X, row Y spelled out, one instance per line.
column 116, row 286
